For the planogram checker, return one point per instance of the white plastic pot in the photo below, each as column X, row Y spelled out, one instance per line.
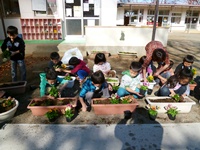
column 5, row 116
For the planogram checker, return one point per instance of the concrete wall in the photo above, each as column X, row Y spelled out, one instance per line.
column 26, row 9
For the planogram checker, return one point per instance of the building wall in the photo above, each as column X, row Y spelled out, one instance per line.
column 26, row 9
column 108, row 12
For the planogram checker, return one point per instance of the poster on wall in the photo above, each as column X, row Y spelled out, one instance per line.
column 39, row 5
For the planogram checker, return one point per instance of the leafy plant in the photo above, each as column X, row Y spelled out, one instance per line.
column 194, row 71
column 111, row 80
column 176, row 97
column 6, row 54
column 125, row 101
column 68, row 77
column 144, row 87
column 152, row 110
column 150, row 78
column 171, row 110
column 69, row 112
column 6, row 104
column 52, row 114
column 114, row 99
column 115, row 88
column 192, row 82
column 53, row 91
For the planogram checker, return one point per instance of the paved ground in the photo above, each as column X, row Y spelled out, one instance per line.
column 111, row 134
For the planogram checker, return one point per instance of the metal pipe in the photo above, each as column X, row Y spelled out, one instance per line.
column 155, row 20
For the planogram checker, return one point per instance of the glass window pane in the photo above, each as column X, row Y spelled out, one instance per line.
column 51, row 7
column 73, row 27
column 11, row 8
column 176, row 20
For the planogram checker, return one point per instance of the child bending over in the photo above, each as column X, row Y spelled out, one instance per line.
column 177, row 84
column 94, row 87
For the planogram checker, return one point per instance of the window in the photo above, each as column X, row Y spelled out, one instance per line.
column 163, row 12
column 11, row 8
column 176, row 18
column 135, row 15
column 51, row 8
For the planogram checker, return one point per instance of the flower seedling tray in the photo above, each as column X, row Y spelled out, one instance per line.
column 162, row 101
column 112, row 81
column 59, row 103
column 14, row 88
column 111, row 109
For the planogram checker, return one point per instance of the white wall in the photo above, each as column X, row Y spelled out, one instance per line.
column 120, row 16
column 26, row 9
column 110, row 36
column 108, row 12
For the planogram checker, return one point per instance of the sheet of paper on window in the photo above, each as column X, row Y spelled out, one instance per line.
column 90, row 22
column 85, row 7
column 69, row 1
column 91, row 1
column 77, row 11
column 68, row 12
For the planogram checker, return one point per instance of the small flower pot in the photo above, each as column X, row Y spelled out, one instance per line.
column 152, row 117
column 142, row 92
column 127, row 114
column 171, row 117
column 73, row 117
column 52, row 120
column 149, row 91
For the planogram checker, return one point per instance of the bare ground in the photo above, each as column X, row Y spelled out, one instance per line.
column 178, row 46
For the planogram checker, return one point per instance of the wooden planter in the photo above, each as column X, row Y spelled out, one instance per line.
column 111, row 109
column 127, row 55
column 41, row 110
column 14, row 88
column 183, row 107
column 8, row 114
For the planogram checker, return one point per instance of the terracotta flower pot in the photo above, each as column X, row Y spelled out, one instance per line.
column 41, row 110
column 110, row 109
column 192, row 86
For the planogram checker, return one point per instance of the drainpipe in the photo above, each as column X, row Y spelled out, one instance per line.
column 155, row 20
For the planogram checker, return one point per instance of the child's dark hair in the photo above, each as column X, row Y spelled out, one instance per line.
column 183, row 74
column 188, row 58
column 50, row 73
column 159, row 55
column 54, row 56
column 98, row 77
column 74, row 61
column 12, row 30
column 136, row 66
column 142, row 59
column 100, row 57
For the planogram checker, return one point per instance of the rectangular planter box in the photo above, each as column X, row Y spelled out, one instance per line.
column 14, row 88
column 111, row 109
column 113, row 83
column 41, row 110
column 183, row 107
column 127, row 55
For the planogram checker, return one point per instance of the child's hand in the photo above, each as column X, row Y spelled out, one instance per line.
column 58, row 69
column 139, row 94
column 110, row 87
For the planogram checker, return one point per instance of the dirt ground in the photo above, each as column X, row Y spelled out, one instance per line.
column 37, row 65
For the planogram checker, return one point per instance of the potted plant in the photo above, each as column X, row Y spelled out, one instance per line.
column 143, row 89
column 69, row 113
column 8, row 107
column 70, row 81
column 53, row 92
column 53, row 114
column 152, row 111
column 171, row 111
column 114, row 105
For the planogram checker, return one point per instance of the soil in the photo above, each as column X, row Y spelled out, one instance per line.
column 35, row 66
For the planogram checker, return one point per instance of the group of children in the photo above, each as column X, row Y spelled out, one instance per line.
column 94, row 84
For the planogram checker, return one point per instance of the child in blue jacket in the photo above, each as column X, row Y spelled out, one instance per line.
column 94, row 87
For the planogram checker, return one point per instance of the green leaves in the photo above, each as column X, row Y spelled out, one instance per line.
column 53, row 92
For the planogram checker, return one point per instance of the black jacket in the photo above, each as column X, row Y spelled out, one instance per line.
column 18, row 44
